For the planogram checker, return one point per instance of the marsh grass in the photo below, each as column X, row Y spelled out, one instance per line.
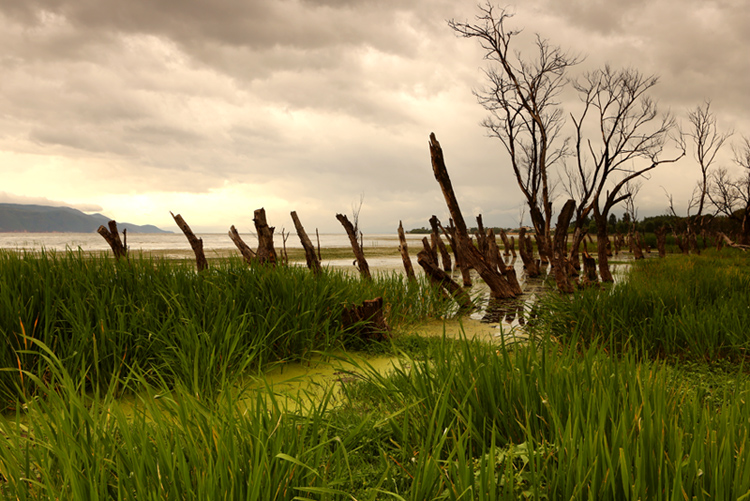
column 469, row 421
column 576, row 413
column 159, row 318
column 683, row 307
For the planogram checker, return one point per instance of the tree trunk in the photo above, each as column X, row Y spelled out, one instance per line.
column 310, row 256
column 499, row 287
column 527, row 256
column 112, row 236
column 495, row 258
column 635, row 246
column 661, row 241
column 482, row 243
column 506, row 243
column 513, row 247
column 450, row 234
column 444, row 255
column 364, row 268
column 404, row 250
column 247, row 253
column 367, row 319
column 560, row 264
column 602, row 239
column 195, row 242
column 266, row 252
column 541, row 249
column 589, row 269
column 440, row 278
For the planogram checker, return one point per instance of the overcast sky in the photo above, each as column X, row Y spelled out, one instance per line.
column 215, row 108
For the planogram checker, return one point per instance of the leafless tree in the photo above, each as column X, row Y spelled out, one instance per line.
column 524, row 113
column 731, row 197
column 619, row 136
column 708, row 141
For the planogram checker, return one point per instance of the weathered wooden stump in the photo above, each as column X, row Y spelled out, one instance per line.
column 195, row 242
column 367, row 320
column 112, row 236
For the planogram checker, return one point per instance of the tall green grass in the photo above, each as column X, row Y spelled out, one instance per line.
column 693, row 307
column 470, row 422
column 160, row 318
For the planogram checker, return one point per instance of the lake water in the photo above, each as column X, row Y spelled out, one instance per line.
column 149, row 242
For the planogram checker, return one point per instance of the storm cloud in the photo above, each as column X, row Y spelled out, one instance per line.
column 213, row 109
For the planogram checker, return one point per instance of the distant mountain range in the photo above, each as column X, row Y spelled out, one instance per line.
column 44, row 219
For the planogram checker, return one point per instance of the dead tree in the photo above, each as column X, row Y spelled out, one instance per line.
column 524, row 111
column 661, row 240
column 403, row 248
column 444, row 255
column 195, row 242
column 494, row 258
column 506, row 243
column 560, row 264
column 247, row 253
column 629, row 141
column 463, row 267
column 499, row 287
column 310, row 256
column 442, row 279
column 266, row 251
column 527, row 254
column 731, row 197
column 112, row 236
column 364, row 268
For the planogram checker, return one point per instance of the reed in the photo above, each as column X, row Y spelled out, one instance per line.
column 160, row 318
column 687, row 307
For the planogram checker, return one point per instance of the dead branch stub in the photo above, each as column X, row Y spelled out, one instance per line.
column 403, row 248
column 112, row 237
column 310, row 256
column 247, row 253
column 364, row 268
column 195, row 242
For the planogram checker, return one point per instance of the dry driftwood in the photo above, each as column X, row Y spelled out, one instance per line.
column 506, row 244
column 247, row 253
column 195, row 242
column 728, row 241
column 310, row 256
column 499, row 287
column 112, row 236
column 364, row 268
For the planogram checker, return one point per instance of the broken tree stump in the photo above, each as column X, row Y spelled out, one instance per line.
column 310, row 256
column 112, row 236
column 247, row 253
column 499, row 287
column 450, row 234
column 444, row 255
column 367, row 320
column 509, row 272
column 442, row 279
column 506, row 243
column 359, row 255
column 266, row 251
column 195, row 242
column 403, row 248
column 559, row 248
column 526, row 250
